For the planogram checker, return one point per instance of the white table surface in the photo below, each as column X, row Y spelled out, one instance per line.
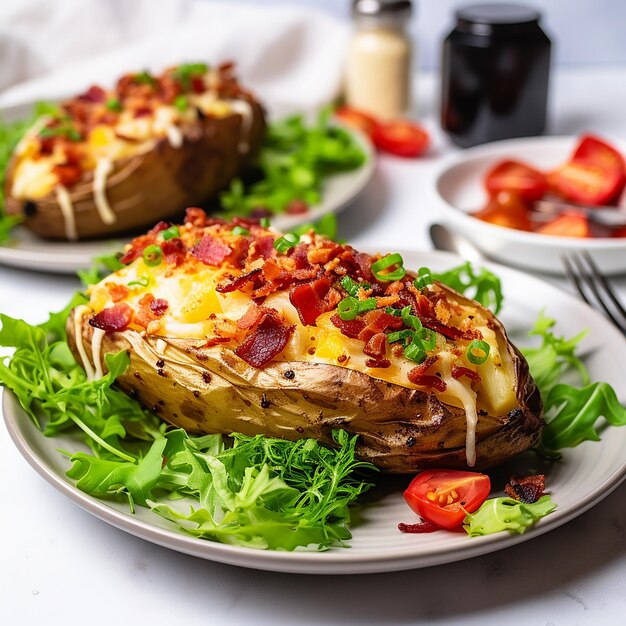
column 60, row 565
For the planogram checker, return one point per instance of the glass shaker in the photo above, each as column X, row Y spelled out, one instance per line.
column 378, row 72
column 495, row 71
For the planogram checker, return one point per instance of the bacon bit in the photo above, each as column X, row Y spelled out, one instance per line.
column 68, row 173
column 425, row 380
column 159, row 227
column 94, row 94
column 308, row 300
column 239, row 282
column 382, row 363
column 420, row 527
column 424, row 366
column 378, row 321
column 442, row 311
column 304, row 274
column 197, row 84
column 526, row 489
column 364, row 263
column 174, row 251
column 196, row 217
column 267, row 341
column 349, row 328
column 297, row 207
column 251, row 317
column 271, row 269
column 246, row 222
column 159, row 306
column 143, row 111
column 376, row 346
column 323, row 253
column 211, row 251
column 117, row 292
column 264, row 246
column 113, row 319
column 300, row 256
column 458, row 372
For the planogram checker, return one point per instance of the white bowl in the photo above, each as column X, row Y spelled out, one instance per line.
column 460, row 191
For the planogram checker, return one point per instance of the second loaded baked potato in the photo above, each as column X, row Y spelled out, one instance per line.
column 114, row 160
column 232, row 327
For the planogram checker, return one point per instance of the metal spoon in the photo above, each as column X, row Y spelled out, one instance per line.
column 446, row 239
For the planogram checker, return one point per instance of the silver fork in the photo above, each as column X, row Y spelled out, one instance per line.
column 593, row 287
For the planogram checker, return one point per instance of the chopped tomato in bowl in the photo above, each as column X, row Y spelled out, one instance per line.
column 518, row 177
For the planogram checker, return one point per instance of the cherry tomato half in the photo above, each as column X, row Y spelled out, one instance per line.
column 357, row 119
column 592, row 149
column 506, row 209
column 586, row 183
column 529, row 183
column 401, row 137
column 567, row 225
column 444, row 497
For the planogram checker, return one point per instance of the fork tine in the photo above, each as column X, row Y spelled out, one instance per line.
column 586, row 281
column 603, row 281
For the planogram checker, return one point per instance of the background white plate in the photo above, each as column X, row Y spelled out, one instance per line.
column 27, row 251
column 460, row 191
column 584, row 476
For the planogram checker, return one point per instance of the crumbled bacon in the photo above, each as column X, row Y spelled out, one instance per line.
column 174, row 251
column 421, row 527
column 264, row 246
column 376, row 346
column 251, row 317
column 116, row 291
column 68, row 174
column 458, row 371
column 308, row 300
column 211, row 251
column 240, row 281
column 94, row 94
column 113, row 319
column 425, row 380
column 271, row 269
column 196, row 217
column 214, row 341
column 382, row 363
column 159, row 306
column 267, row 341
column 424, row 366
column 349, row 328
column 300, row 255
column 378, row 321
column 527, row 489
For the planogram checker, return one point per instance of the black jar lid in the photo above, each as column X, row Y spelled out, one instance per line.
column 488, row 19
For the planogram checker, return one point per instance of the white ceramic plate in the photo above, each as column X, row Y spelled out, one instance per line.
column 28, row 251
column 459, row 188
column 585, row 475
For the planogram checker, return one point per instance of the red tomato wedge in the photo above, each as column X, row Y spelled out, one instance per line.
column 444, row 497
column 357, row 119
column 592, row 149
column 401, row 137
column 567, row 225
column 587, row 183
column 506, row 209
column 530, row 184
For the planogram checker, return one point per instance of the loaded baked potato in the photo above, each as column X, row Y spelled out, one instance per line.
column 110, row 161
column 232, row 327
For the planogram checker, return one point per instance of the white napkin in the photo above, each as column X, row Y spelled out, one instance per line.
column 291, row 57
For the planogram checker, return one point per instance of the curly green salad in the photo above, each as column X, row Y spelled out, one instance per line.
column 263, row 492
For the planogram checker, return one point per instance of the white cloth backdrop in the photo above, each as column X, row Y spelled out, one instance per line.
column 291, row 56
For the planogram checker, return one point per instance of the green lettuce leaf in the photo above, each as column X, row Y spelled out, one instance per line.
column 498, row 514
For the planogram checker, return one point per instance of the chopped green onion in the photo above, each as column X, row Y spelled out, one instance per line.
column 265, row 222
column 113, row 104
column 369, row 304
column 385, row 263
column 351, row 286
column 477, row 346
column 144, row 78
column 181, row 103
column 400, row 335
column 61, row 131
column 152, row 255
column 409, row 320
column 142, row 281
column 348, row 308
column 284, row 244
column 240, row 230
column 185, row 72
column 415, row 351
column 170, row 233
column 424, row 278
column 392, row 311
column 428, row 338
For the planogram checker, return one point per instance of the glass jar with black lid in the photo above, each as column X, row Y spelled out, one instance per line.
column 495, row 69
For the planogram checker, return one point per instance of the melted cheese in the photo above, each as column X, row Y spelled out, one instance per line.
column 244, row 108
column 67, row 210
column 103, row 168
column 96, row 352
column 79, row 313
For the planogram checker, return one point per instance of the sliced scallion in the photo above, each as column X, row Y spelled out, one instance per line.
column 152, row 255
column 388, row 262
column 482, row 347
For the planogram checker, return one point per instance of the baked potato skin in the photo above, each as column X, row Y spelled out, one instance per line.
column 401, row 430
column 154, row 186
